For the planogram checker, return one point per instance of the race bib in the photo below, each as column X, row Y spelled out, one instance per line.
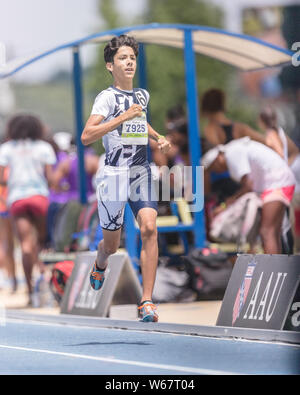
column 135, row 131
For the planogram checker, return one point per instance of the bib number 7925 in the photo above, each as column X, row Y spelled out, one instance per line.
column 135, row 131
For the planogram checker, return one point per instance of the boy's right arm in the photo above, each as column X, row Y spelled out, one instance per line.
column 95, row 129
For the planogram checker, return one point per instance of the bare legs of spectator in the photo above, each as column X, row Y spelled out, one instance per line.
column 31, row 233
column 7, row 260
column 270, row 229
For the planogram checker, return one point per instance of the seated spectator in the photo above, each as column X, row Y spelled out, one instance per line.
column 257, row 168
column 29, row 160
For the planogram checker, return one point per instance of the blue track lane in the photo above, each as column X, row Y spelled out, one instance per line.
column 38, row 348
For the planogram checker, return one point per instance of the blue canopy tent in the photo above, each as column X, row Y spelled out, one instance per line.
column 243, row 52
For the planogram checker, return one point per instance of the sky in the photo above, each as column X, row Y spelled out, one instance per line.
column 32, row 26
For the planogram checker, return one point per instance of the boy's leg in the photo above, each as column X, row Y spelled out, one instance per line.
column 149, row 254
column 107, row 246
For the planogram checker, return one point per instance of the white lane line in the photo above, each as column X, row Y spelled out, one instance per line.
column 176, row 368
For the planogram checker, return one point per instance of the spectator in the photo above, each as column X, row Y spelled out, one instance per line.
column 175, row 117
column 178, row 135
column 257, row 168
column 65, row 179
column 29, row 160
column 295, row 213
column 7, row 259
column 277, row 139
column 65, row 184
column 220, row 129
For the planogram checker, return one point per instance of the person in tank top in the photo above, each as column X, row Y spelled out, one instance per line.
column 219, row 128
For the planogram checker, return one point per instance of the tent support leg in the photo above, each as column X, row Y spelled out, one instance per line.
column 194, row 137
column 79, row 123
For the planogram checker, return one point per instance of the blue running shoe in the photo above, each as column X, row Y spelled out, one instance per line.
column 148, row 311
column 96, row 278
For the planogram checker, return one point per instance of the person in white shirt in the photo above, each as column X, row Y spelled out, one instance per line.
column 29, row 160
column 260, row 169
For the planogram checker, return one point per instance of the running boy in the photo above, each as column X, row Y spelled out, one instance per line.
column 119, row 118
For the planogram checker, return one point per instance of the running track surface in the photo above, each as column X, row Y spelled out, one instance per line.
column 31, row 347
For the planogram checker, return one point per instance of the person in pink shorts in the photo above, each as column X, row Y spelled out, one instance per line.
column 29, row 159
column 260, row 169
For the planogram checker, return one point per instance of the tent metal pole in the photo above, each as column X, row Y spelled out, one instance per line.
column 194, row 134
column 79, row 123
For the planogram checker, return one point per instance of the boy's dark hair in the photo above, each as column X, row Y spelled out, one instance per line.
column 22, row 127
column 213, row 101
column 115, row 43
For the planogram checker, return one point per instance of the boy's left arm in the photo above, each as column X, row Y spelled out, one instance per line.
column 163, row 144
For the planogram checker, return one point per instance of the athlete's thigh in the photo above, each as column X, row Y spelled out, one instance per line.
column 143, row 197
column 112, row 196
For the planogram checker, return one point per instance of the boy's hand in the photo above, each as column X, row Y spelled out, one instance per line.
column 163, row 144
column 134, row 111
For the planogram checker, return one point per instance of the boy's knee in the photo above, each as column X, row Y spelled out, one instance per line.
column 148, row 229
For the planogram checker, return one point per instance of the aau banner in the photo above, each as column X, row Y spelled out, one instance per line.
column 263, row 292
column 121, row 286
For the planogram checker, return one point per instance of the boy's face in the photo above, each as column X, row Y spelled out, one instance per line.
column 124, row 64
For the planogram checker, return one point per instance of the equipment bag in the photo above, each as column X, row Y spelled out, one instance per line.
column 173, row 281
column 239, row 223
column 210, row 270
column 60, row 275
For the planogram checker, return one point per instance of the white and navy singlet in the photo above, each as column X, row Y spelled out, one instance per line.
column 126, row 175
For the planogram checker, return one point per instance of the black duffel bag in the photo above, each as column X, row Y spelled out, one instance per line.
column 209, row 270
